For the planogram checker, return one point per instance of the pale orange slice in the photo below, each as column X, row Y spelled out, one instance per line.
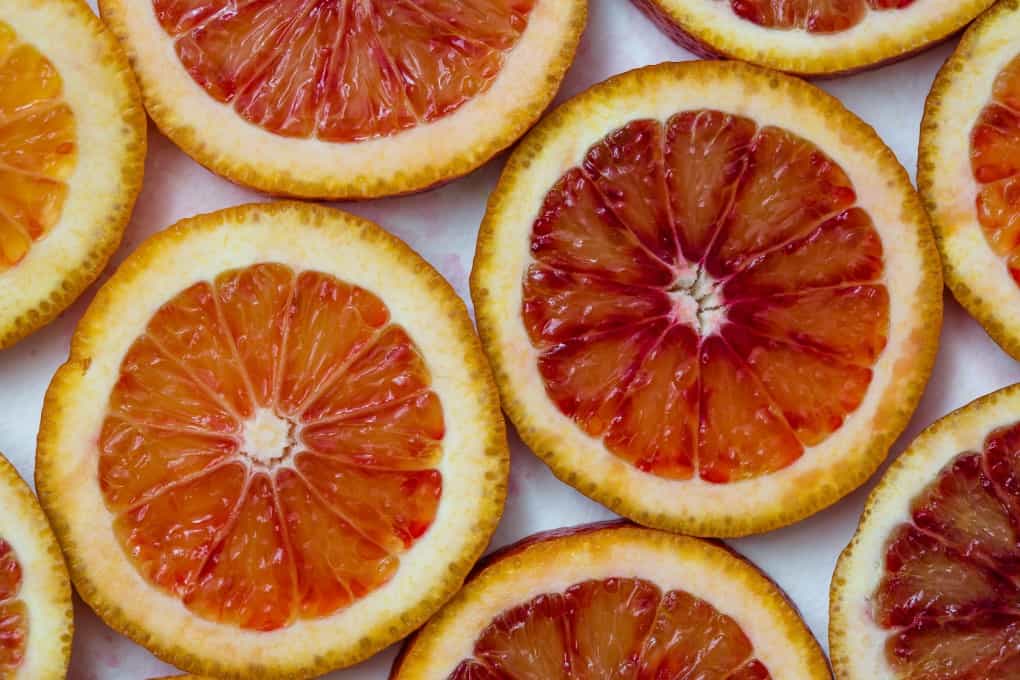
column 811, row 37
column 72, row 147
column 969, row 172
column 276, row 447
column 36, row 619
column 346, row 98
column 615, row 601
column 929, row 587
column 710, row 296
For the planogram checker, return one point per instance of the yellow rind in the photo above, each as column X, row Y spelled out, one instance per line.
column 259, row 174
column 26, row 510
column 104, row 597
column 887, row 490
column 725, row 42
column 898, row 403
column 64, row 292
column 496, row 583
column 995, row 322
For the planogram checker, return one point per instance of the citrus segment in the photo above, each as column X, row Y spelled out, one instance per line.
column 198, row 513
column 37, row 146
column 13, row 621
column 289, row 471
column 517, row 619
column 810, row 37
column 708, row 299
column 943, row 601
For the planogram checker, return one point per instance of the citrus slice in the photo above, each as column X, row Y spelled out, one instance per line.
column 969, row 172
column 705, row 307
column 346, row 98
column 276, row 447
column 36, row 619
column 811, row 37
column 615, row 601
column 929, row 587
column 72, row 146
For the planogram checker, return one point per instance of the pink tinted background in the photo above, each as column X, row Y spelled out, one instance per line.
column 442, row 226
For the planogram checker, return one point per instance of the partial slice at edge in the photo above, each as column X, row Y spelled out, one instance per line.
column 929, row 586
column 36, row 617
column 631, row 601
column 969, row 172
column 808, row 37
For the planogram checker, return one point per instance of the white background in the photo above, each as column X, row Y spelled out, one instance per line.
column 442, row 226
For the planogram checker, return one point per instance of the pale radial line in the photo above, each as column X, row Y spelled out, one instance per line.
column 4, row 167
column 986, row 562
column 334, row 55
column 340, row 371
column 234, row 352
column 597, row 334
column 281, row 360
column 337, row 512
column 222, row 534
column 162, row 427
column 392, row 64
column 189, row 374
column 344, row 459
column 288, row 548
column 366, row 410
column 17, row 225
column 802, row 292
column 598, row 276
column 644, row 647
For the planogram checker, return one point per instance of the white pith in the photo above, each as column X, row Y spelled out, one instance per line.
column 699, row 304
column 856, row 640
column 266, row 437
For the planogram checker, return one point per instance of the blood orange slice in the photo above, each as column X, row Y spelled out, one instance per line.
column 929, row 587
column 697, row 316
column 811, row 37
column 70, row 159
column 346, row 98
column 615, row 601
column 969, row 172
column 276, row 447
column 35, row 594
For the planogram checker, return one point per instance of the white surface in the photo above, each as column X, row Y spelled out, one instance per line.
column 442, row 226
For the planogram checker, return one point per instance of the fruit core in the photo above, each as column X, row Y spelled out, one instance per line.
column 13, row 613
column 813, row 16
column 38, row 147
column 613, row 628
column 271, row 447
column 343, row 70
column 950, row 589
column 705, row 296
column 995, row 162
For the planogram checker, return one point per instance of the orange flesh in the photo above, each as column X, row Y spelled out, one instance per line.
column 813, row 16
column 995, row 161
column 705, row 297
column 13, row 614
column 255, row 527
column 950, row 593
column 343, row 70
column 621, row 628
column 38, row 147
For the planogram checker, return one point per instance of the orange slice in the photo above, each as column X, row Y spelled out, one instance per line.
column 811, row 37
column 346, row 98
column 615, row 601
column 969, row 172
column 72, row 146
column 929, row 587
column 276, row 447
column 36, row 619
column 705, row 308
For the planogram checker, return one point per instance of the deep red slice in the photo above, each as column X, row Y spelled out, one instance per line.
column 13, row 615
column 772, row 256
column 814, row 16
column 201, row 453
column 345, row 70
column 955, row 650
column 617, row 628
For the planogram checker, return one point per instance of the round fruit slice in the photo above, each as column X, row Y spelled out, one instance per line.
column 72, row 147
column 811, row 37
column 969, row 172
column 276, row 447
column 615, row 601
column 710, row 296
column 36, row 619
column 929, row 587
column 346, row 98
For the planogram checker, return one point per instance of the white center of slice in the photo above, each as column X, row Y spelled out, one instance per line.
column 700, row 303
column 267, row 437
